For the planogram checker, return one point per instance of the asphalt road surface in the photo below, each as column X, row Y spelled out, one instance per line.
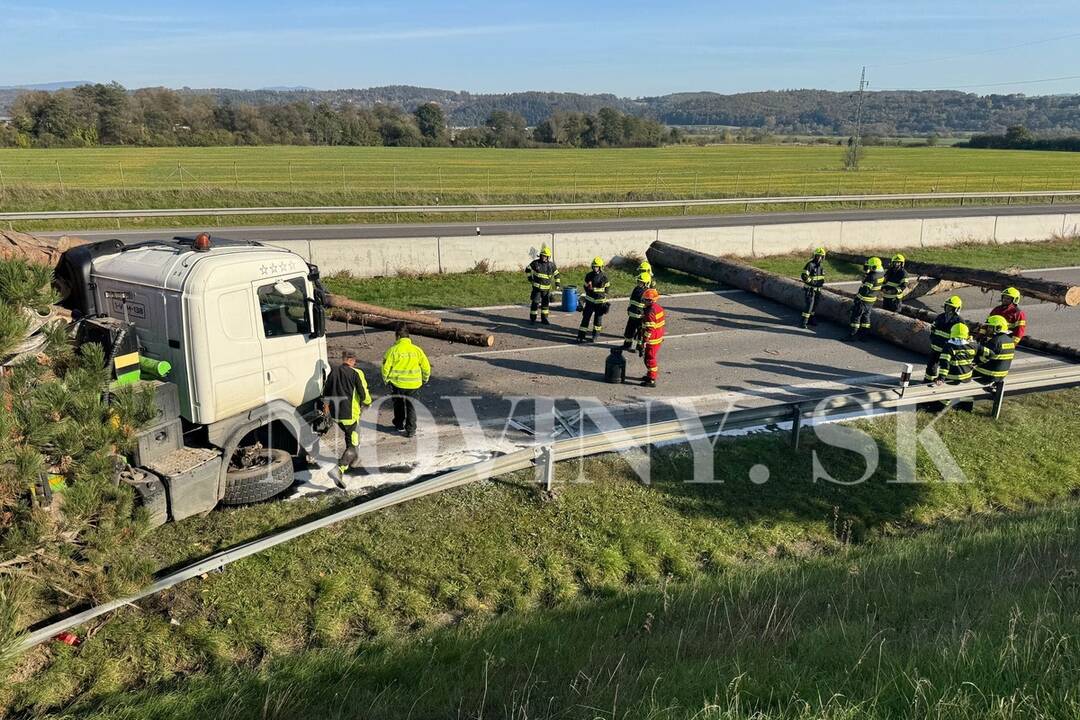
column 724, row 349
column 339, row 232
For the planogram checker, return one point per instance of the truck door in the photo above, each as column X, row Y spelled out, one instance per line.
column 293, row 369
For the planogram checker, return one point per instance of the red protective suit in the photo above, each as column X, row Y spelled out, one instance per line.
column 652, row 331
column 1016, row 318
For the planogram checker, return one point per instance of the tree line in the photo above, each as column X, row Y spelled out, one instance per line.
column 98, row 114
column 1019, row 137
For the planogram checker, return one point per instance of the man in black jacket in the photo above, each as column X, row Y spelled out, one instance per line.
column 544, row 276
column 345, row 395
column 813, row 277
column 596, row 301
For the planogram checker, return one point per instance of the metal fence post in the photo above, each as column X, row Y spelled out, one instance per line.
column 796, row 425
column 545, row 466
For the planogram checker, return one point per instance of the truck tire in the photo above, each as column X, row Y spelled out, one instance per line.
column 255, row 484
column 150, row 494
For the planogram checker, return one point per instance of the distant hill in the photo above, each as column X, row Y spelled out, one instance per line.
column 809, row 112
column 49, row 87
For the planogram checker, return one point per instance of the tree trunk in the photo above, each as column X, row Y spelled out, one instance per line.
column 339, row 301
column 907, row 333
column 1069, row 353
column 450, row 334
column 1055, row 292
column 40, row 250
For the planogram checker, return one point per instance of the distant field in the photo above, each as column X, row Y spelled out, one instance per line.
column 102, row 178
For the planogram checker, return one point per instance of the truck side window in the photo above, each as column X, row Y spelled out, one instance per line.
column 283, row 307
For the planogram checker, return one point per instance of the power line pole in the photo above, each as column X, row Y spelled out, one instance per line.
column 855, row 143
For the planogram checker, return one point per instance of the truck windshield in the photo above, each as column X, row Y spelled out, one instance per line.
column 283, row 306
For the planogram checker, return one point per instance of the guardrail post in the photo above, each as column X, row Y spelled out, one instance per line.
column 545, row 466
column 796, row 426
column 999, row 399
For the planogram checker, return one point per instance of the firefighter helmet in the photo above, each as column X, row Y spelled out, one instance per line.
column 873, row 263
column 644, row 277
column 1011, row 293
column 645, row 266
column 819, row 252
column 954, row 302
column 998, row 323
column 959, row 331
column 898, row 258
column 598, row 262
column 650, row 295
column 545, row 251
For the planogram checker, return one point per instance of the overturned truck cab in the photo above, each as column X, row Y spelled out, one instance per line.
column 243, row 327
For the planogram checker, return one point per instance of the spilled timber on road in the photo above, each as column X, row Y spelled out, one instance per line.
column 1048, row 290
column 1029, row 342
column 440, row 332
column 906, row 332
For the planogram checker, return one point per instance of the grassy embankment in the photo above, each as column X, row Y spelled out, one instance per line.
column 107, row 178
column 606, row 592
column 499, row 288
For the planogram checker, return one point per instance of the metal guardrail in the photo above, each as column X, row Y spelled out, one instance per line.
column 851, row 405
column 535, row 207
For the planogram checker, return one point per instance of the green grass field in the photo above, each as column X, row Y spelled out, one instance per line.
column 102, row 178
column 350, row 621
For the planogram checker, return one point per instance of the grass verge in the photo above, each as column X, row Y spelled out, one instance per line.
column 975, row 620
column 498, row 548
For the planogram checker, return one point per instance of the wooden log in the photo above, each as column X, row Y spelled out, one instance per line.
column 1048, row 290
column 932, row 286
column 340, row 301
column 1028, row 342
column 40, row 250
column 902, row 331
column 440, row 332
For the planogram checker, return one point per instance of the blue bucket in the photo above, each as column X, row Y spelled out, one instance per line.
column 569, row 298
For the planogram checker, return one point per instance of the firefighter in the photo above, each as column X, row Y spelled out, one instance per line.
column 957, row 360
column 940, row 332
column 896, row 284
column 646, row 267
column 596, row 301
column 635, row 309
column 873, row 279
column 405, row 369
column 994, row 354
column 652, row 335
column 345, row 394
column 1014, row 316
column 813, row 277
column 543, row 275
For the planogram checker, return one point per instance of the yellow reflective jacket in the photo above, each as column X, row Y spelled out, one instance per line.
column 405, row 365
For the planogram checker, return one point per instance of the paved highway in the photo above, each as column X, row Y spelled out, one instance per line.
column 725, row 348
column 343, row 232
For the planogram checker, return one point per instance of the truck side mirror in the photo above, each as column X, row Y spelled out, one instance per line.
column 318, row 303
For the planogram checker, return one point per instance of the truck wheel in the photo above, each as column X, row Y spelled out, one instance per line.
column 149, row 493
column 260, row 482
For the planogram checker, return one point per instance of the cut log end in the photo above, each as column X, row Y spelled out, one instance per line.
column 1072, row 297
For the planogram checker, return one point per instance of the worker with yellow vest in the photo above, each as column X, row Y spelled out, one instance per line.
column 873, row 279
column 596, row 301
column 544, row 276
column 405, row 369
column 345, row 395
column 635, row 309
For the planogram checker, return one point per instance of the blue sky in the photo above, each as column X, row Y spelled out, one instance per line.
column 629, row 48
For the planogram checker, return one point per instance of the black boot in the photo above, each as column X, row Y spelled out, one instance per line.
column 545, row 321
column 805, row 323
column 594, row 334
column 581, row 337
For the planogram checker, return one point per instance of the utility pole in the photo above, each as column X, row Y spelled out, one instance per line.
column 851, row 162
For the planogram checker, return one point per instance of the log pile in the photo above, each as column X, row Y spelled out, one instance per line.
column 1048, row 290
column 905, row 332
column 440, row 332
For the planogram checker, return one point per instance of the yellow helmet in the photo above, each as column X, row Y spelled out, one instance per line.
column 820, row 252
column 645, row 266
column 1012, row 293
column 955, row 302
column 545, row 250
column 873, row 263
column 898, row 258
column 598, row 262
column 644, row 277
column 959, row 331
column 998, row 323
